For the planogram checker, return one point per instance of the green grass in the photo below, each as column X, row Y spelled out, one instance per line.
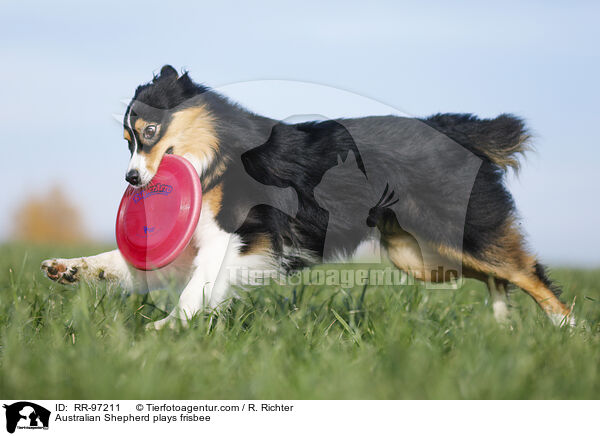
column 290, row 342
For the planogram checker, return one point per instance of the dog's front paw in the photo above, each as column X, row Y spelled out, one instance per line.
column 170, row 322
column 65, row 271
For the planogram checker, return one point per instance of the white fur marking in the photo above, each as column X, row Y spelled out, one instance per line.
column 210, row 284
column 499, row 302
column 562, row 320
column 199, row 164
column 137, row 161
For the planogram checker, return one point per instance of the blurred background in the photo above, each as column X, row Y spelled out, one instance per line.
column 68, row 68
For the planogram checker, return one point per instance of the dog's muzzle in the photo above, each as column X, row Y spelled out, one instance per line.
column 133, row 177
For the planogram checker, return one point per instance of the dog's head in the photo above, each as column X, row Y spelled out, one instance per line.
column 168, row 116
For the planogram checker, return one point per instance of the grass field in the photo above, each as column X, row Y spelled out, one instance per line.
column 290, row 342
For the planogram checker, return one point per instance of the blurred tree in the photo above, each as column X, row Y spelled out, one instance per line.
column 50, row 217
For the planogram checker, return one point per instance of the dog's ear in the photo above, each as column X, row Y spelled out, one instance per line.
column 167, row 73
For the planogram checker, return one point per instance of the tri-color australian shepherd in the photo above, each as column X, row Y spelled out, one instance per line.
column 429, row 192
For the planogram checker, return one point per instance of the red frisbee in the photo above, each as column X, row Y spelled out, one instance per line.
column 156, row 223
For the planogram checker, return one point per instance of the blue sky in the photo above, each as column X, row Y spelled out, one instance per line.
column 66, row 67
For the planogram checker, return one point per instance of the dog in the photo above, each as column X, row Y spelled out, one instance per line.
column 431, row 192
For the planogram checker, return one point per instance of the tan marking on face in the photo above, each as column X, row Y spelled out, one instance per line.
column 139, row 125
column 126, row 135
column 192, row 131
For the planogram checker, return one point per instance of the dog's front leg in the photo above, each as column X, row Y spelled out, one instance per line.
column 208, row 286
column 195, row 297
column 109, row 266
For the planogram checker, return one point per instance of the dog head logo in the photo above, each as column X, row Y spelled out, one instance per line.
column 26, row 415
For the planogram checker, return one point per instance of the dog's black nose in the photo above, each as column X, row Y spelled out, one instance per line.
column 133, row 177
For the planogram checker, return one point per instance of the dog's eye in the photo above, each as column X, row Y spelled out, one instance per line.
column 150, row 131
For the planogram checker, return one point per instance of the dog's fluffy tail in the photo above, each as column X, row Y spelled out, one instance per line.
column 500, row 140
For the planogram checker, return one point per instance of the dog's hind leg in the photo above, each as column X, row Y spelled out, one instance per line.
column 406, row 254
column 507, row 260
column 498, row 290
column 534, row 281
column 499, row 298
column 511, row 262
column 529, row 277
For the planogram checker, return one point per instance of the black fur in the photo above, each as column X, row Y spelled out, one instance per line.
column 446, row 173
column 168, row 90
column 497, row 140
column 156, row 101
